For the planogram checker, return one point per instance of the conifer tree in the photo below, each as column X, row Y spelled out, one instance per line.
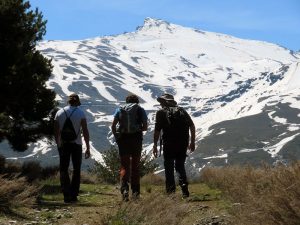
column 25, row 101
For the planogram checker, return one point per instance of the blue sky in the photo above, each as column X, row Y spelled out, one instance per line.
column 276, row 21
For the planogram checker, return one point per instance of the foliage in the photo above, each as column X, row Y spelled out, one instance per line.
column 25, row 101
column 147, row 166
column 108, row 171
column 29, row 170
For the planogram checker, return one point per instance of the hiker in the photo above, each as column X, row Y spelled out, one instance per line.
column 175, row 124
column 69, row 144
column 130, row 120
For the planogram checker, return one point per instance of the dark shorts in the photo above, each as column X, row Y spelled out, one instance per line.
column 130, row 144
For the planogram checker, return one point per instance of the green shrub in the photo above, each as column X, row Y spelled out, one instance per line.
column 108, row 171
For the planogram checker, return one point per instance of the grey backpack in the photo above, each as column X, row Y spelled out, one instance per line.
column 130, row 119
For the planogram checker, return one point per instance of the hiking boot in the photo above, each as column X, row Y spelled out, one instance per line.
column 67, row 198
column 135, row 196
column 125, row 196
column 185, row 191
column 74, row 199
column 70, row 199
column 170, row 189
column 185, row 195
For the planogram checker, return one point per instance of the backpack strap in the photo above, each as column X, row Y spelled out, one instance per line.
column 70, row 114
column 70, row 118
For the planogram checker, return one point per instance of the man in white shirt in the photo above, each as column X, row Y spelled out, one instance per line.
column 71, row 149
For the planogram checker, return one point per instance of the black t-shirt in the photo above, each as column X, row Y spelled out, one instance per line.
column 177, row 140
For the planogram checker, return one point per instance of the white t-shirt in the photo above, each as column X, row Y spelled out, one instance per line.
column 76, row 118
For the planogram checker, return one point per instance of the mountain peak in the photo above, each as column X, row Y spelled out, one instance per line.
column 150, row 23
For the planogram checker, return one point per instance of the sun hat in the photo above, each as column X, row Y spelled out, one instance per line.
column 167, row 98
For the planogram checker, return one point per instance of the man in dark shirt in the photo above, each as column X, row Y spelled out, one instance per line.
column 175, row 141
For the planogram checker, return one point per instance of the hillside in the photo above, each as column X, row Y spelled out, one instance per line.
column 243, row 95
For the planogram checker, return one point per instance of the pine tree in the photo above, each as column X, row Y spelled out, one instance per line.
column 25, row 100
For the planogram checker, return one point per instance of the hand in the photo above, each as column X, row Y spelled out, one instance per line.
column 117, row 136
column 87, row 154
column 192, row 146
column 154, row 150
column 58, row 142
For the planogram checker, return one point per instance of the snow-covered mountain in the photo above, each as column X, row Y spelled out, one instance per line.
column 243, row 95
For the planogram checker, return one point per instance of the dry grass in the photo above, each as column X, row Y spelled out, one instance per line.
column 102, row 204
column 16, row 192
column 152, row 179
column 265, row 195
column 88, row 178
column 152, row 209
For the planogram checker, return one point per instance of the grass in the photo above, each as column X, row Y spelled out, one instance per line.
column 235, row 195
column 102, row 204
column 265, row 195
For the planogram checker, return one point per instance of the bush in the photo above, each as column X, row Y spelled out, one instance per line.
column 109, row 170
column 32, row 170
column 147, row 165
column 88, row 178
column 12, row 167
column 49, row 171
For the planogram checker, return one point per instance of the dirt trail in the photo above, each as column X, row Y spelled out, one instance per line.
column 102, row 205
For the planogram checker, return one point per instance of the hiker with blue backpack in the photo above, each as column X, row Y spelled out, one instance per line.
column 68, row 123
column 178, row 134
column 130, row 120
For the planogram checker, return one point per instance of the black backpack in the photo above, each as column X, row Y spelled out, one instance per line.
column 130, row 119
column 68, row 133
column 177, row 126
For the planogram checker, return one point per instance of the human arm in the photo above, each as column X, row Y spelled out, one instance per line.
column 155, row 140
column 144, row 126
column 86, row 137
column 57, row 133
column 157, row 129
column 192, row 142
column 114, row 127
column 144, row 119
